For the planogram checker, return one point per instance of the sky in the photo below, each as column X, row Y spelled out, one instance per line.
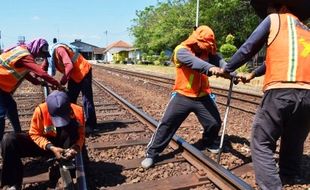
column 97, row 22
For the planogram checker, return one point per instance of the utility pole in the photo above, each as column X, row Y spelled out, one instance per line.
column 197, row 13
column 106, row 35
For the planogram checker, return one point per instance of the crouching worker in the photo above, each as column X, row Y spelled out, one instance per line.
column 57, row 130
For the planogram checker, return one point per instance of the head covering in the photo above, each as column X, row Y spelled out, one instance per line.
column 204, row 37
column 299, row 8
column 58, row 106
column 38, row 46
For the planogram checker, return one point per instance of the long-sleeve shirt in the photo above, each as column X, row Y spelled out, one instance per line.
column 66, row 60
column 30, row 64
column 252, row 45
column 187, row 58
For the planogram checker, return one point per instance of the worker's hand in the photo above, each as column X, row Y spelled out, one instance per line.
column 58, row 152
column 69, row 153
column 63, row 80
column 246, row 77
column 219, row 72
column 215, row 71
column 43, row 83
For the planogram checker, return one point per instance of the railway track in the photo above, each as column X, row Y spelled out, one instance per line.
column 204, row 171
column 236, row 156
column 246, row 102
column 116, row 149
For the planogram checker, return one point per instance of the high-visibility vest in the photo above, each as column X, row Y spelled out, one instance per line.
column 189, row 82
column 288, row 55
column 80, row 65
column 10, row 75
column 42, row 127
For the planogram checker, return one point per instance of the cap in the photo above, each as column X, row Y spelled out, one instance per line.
column 58, row 106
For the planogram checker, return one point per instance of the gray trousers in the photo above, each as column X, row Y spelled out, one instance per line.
column 283, row 113
column 179, row 107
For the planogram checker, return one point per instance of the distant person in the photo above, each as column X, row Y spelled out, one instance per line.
column 18, row 63
column 77, row 72
column 194, row 59
column 285, row 108
column 54, row 40
column 57, row 130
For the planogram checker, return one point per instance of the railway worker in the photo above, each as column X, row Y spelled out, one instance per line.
column 16, row 64
column 194, row 59
column 57, row 127
column 285, row 107
column 77, row 72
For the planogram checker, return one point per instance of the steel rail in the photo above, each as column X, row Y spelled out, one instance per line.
column 216, row 173
column 158, row 79
column 163, row 79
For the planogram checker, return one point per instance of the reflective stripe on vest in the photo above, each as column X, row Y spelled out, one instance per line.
column 188, row 81
column 80, row 65
column 293, row 50
column 11, row 70
column 11, row 76
column 288, row 54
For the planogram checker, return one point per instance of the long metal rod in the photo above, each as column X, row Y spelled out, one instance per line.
column 225, row 120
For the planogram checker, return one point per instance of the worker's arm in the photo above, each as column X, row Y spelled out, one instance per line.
column 64, row 57
column 30, row 64
column 252, row 45
column 185, row 57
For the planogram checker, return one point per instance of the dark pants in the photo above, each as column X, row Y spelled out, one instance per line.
column 8, row 108
column 176, row 112
column 85, row 86
column 15, row 147
column 283, row 113
column 20, row 145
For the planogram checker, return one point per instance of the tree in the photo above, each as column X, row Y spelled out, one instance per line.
column 228, row 49
column 170, row 22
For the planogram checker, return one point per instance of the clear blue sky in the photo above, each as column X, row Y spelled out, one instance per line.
column 67, row 20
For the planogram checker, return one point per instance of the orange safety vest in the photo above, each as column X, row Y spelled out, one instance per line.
column 288, row 55
column 10, row 75
column 42, row 127
column 189, row 82
column 80, row 65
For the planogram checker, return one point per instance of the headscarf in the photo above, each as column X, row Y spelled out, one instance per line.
column 35, row 47
column 204, row 37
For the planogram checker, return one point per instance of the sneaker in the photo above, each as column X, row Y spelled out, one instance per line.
column 213, row 148
column 147, row 163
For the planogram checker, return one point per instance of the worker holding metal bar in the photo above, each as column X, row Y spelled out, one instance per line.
column 285, row 108
column 195, row 59
column 16, row 64
column 57, row 130
column 77, row 73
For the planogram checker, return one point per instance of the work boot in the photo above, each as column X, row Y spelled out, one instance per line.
column 147, row 163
